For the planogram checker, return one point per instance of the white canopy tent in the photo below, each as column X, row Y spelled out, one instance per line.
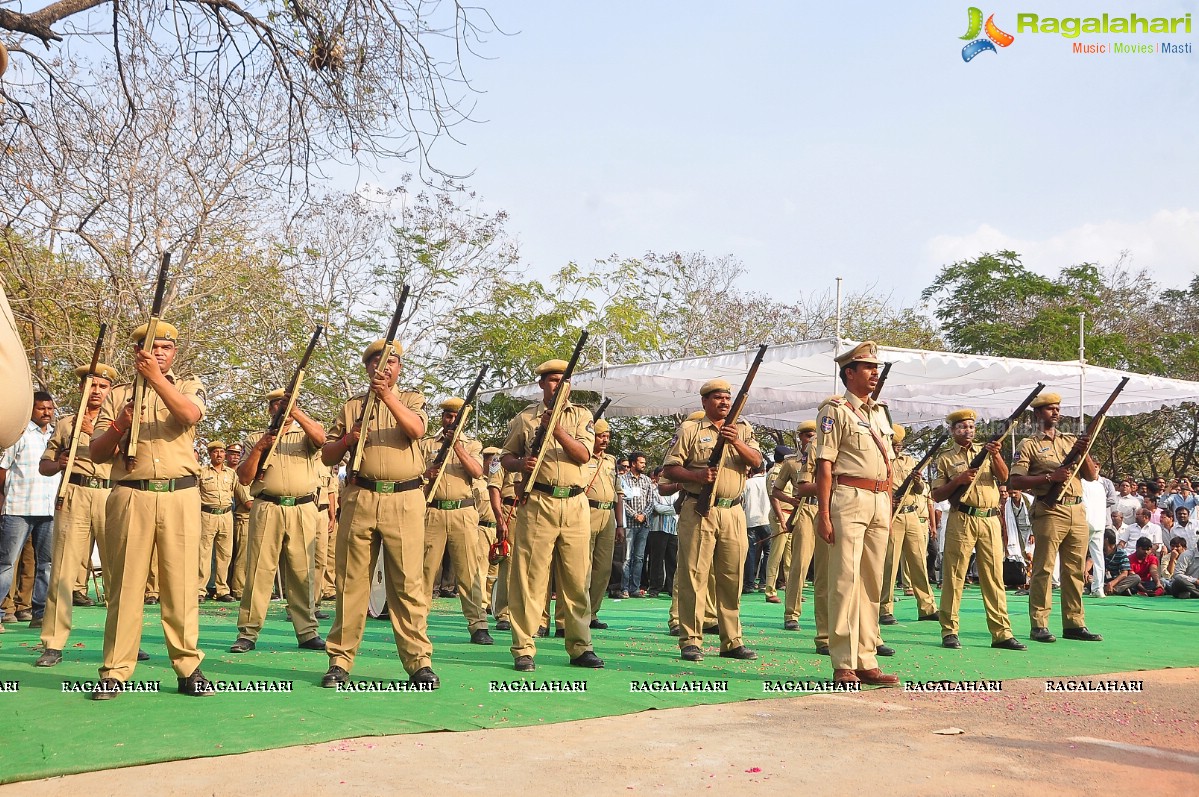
column 922, row 388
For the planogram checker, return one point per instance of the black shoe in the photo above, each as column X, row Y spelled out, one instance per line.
column 49, row 658
column 196, row 685
column 597, row 625
column 1009, row 644
column 142, row 655
column 524, row 664
column 481, row 637
column 150, row 601
column 791, row 625
column 951, row 641
column 589, row 660
column 674, row 630
column 1042, row 635
column 926, row 617
column 887, row 619
column 740, row 652
column 691, row 653
column 36, row 622
column 542, row 631
column 107, row 689
column 318, row 614
column 884, row 650
column 711, row 629
column 1081, row 634
column 503, row 625
column 425, row 675
column 81, row 599
column 316, row 643
column 24, row 616
column 242, row 645
column 822, row 650
column 226, row 598
column 560, row 633
column 336, row 675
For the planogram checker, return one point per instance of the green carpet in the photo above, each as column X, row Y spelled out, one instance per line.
column 49, row 733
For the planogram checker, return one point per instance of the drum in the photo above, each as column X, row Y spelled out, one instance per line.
column 377, row 606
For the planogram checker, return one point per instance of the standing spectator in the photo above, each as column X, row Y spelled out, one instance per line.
column 756, row 503
column 638, row 493
column 1128, row 502
column 1094, row 502
column 1145, row 565
column 1120, row 578
column 778, row 550
column 665, row 532
column 28, row 506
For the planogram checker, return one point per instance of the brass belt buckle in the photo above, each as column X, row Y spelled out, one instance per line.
column 385, row 487
column 159, row 485
column 287, row 500
column 560, row 492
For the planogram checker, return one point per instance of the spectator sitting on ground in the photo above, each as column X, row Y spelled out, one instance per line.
column 1185, row 527
column 1145, row 565
column 1170, row 561
column 1120, row 578
column 1185, row 581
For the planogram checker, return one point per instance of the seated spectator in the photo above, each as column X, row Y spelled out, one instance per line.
column 1185, row 527
column 1145, row 565
column 1120, row 578
column 1184, row 583
column 1170, row 561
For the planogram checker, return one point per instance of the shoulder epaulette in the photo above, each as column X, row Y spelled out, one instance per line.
column 835, row 401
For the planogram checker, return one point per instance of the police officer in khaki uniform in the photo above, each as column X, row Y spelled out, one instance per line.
column 216, row 522
column 552, row 523
column 284, row 519
column 487, row 523
column 241, row 523
column 501, row 490
column 382, row 505
column 973, row 526
column 781, row 544
column 607, row 504
column 717, row 543
column 909, row 540
column 853, row 484
column 795, row 490
column 452, row 520
column 327, row 502
column 80, row 517
column 711, row 625
column 154, row 503
column 1060, row 530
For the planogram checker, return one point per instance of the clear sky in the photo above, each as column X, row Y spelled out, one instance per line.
column 817, row 140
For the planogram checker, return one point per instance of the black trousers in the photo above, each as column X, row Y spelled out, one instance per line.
column 663, row 554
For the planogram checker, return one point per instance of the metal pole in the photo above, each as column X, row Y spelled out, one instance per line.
column 837, row 343
column 1082, row 372
column 603, row 368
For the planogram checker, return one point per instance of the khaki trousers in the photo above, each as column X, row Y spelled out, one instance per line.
column 781, row 550
column 861, row 528
column 457, row 530
column 548, row 528
column 803, row 546
column 1060, row 531
column 241, row 543
column 709, row 604
column 490, row 571
column 964, row 535
column 712, row 546
column 216, row 535
column 603, row 544
column 75, row 523
column 395, row 522
column 136, row 523
column 152, row 576
column 820, row 556
column 909, row 545
column 84, row 572
column 274, row 529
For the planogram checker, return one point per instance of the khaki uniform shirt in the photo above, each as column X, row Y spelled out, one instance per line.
column 1042, row 454
column 389, row 454
column 483, row 500
column 241, row 497
column 455, row 484
column 557, row 468
column 216, row 486
column 985, row 492
column 293, row 470
column 843, row 437
column 502, row 480
column 601, row 479
column 693, row 445
column 794, row 471
column 165, row 447
column 60, row 440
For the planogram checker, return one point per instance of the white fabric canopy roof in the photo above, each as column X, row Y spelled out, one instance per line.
column 922, row 388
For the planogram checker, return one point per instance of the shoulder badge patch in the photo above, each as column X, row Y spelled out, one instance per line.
column 826, row 424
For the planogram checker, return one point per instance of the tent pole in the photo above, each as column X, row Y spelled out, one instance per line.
column 1082, row 372
column 837, row 344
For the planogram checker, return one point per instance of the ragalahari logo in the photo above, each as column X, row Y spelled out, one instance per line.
column 980, row 45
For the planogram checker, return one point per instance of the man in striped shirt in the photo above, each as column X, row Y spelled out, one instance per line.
column 638, row 491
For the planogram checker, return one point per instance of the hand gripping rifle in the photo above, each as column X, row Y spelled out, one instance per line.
column 371, row 404
column 139, row 381
column 557, row 403
column 955, row 498
column 704, row 500
column 901, row 494
column 288, row 403
column 74, row 446
column 1077, row 456
column 450, row 436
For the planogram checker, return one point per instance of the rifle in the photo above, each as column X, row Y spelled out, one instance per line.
column 600, row 410
column 955, row 498
column 878, row 390
column 288, row 402
column 74, row 446
column 902, row 493
column 371, row 404
column 557, row 403
column 451, row 439
column 704, row 499
column 1077, row 456
column 139, row 382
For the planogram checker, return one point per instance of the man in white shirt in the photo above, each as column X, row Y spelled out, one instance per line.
column 756, row 503
column 1185, row 527
column 1128, row 503
column 29, row 504
column 1144, row 527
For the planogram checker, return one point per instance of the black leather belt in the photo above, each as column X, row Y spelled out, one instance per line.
column 487, row 524
column 1063, row 501
column 974, row 511
column 376, row 486
column 323, row 507
column 811, row 500
column 448, row 506
column 557, row 491
column 601, row 504
column 508, row 501
column 903, row 510
column 160, row 485
column 723, row 503
column 285, row 500
column 215, row 510
column 90, row 481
